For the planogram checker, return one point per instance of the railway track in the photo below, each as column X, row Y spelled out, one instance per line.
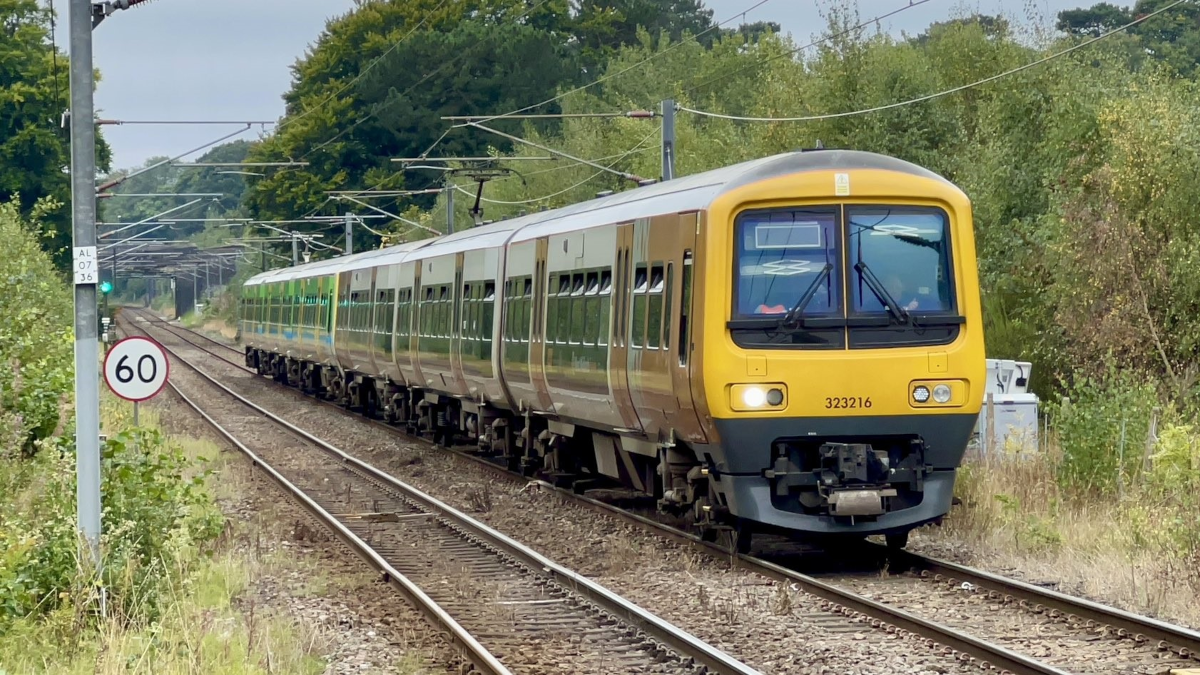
column 1031, row 629
column 508, row 607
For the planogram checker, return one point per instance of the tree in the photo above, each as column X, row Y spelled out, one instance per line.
column 228, row 181
column 604, row 26
column 35, row 150
column 477, row 66
column 1172, row 37
column 1093, row 21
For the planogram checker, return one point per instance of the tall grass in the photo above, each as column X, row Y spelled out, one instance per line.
column 1131, row 538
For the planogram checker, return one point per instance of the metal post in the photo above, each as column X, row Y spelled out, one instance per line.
column 349, row 235
column 449, row 206
column 135, row 413
column 83, row 213
column 668, row 139
column 295, row 250
column 262, row 256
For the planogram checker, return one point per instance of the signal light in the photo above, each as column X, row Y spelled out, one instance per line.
column 105, row 287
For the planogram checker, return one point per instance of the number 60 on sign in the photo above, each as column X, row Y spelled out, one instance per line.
column 136, row 369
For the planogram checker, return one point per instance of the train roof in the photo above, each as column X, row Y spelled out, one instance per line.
column 694, row 192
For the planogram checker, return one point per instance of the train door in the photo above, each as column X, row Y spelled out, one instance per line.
column 618, row 363
column 537, row 345
column 417, row 321
column 654, row 243
column 457, row 334
column 680, row 324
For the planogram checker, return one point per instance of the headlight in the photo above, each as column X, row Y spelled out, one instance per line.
column 754, row 397
column 939, row 393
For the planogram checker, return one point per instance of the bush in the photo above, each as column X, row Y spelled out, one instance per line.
column 36, row 351
column 1102, row 428
column 154, row 506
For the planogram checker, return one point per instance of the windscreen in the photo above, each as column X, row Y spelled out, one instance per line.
column 907, row 249
column 781, row 255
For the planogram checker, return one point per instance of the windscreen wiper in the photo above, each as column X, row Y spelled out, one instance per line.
column 880, row 292
column 798, row 309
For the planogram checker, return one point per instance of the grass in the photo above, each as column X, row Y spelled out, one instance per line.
column 203, row 632
column 1136, row 548
column 212, row 625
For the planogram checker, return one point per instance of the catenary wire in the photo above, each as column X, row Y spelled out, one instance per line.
column 620, row 158
column 930, row 97
column 814, row 43
column 610, row 76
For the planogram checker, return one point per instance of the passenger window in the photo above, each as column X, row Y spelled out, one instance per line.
column 638, row 323
column 562, row 329
column 654, row 319
column 578, row 309
column 667, row 309
column 685, row 308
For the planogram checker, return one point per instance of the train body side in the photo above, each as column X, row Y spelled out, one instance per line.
column 610, row 338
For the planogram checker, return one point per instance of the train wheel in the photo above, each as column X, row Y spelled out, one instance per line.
column 896, row 542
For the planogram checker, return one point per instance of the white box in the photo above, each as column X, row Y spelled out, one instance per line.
column 1006, row 376
column 1016, row 422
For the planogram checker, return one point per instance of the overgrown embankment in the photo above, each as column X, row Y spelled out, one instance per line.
column 170, row 581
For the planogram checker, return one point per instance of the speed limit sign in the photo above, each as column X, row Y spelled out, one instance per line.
column 136, row 369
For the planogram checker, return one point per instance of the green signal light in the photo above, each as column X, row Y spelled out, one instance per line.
column 105, row 287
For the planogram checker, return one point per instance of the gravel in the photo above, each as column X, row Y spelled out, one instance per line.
column 359, row 624
column 1071, row 646
column 763, row 623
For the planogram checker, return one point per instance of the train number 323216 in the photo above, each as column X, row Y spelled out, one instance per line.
column 847, row 402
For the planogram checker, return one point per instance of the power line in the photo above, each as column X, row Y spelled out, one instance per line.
column 114, row 183
column 610, row 76
column 622, row 174
column 930, row 97
column 183, row 122
column 814, row 43
column 620, row 158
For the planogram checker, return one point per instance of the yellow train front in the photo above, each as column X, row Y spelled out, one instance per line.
column 842, row 348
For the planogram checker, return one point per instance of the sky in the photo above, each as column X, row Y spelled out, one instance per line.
column 231, row 59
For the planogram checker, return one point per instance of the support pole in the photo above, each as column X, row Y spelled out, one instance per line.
column 83, row 216
column 668, row 139
column 295, row 250
column 449, row 206
column 349, row 234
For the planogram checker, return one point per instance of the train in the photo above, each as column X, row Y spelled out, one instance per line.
column 791, row 344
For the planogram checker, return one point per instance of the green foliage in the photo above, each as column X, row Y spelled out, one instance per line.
column 470, row 58
column 36, row 352
column 1103, row 429
column 1172, row 37
column 154, row 503
column 34, row 149
column 1077, row 169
